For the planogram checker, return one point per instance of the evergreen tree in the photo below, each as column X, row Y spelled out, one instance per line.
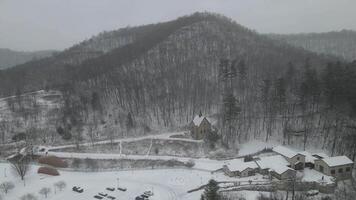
column 230, row 108
column 211, row 191
column 129, row 122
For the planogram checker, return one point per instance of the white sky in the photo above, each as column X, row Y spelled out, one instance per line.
column 58, row 24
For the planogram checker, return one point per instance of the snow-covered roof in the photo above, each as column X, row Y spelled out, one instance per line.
column 311, row 157
column 240, row 165
column 274, row 163
column 198, row 120
column 337, row 161
column 284, row 151
column 308, row 157
column 321, row 155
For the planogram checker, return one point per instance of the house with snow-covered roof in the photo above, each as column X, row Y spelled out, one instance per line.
column 310, row 158
column 339, row 167
column 296, row 160
column 200, row 126
column 237, row 167
column 275, row 166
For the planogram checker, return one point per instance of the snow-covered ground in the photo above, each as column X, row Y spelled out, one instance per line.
column 166, row 184
column 255, row 146
column 311, row 175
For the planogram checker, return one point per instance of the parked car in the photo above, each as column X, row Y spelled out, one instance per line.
column 98, row 197
column 110, row 189
column 102, row 194
column 78, row 189
column 122, row 189
column 145, row 196
column 111, row 197
column 141, row 198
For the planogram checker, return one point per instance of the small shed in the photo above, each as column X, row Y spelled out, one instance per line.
column 237, row 167
column 48, row 171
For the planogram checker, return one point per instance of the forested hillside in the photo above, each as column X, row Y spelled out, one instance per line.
column 10, row 58
column 338, row 43
column 137, row 79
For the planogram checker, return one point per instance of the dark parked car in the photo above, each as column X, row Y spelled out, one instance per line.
column 110, row 189
column 78, row 189
column 102, row 194
column 98, row 197
column 122, row 189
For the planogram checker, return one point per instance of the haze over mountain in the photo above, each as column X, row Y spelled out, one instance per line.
column 337, row 43
column 10, row 58
column 161, row 75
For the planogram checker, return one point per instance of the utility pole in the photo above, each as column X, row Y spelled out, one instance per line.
column 293, row 191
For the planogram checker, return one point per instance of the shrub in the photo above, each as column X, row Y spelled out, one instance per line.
column 190, row 163
column 28, row 197
column 6, row 186
column 248, row 158
column 76, row 163
column 60, row 131
column 45, row 191
column 60, row 185
column 156, row 151
column 91, row 164
column 19, row 137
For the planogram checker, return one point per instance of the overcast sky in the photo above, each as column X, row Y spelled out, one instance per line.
column 58, row 24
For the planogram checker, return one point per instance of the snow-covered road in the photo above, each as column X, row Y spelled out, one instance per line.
column 163, row 136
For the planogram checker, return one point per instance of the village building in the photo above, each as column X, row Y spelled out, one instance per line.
column 310, row 158
column 275, row 166
column 238, row 167
column 296, row 160
column 339, row 167
column 200, row 126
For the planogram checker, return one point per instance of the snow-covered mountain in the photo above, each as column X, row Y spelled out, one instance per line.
column 161, row 75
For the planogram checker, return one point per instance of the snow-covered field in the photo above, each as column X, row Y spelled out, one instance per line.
column 166, row 184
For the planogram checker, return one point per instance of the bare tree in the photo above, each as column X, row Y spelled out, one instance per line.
column 20, row 166
column 60, row 185
column 6, row 186
column 28, row 196
column 45, row 191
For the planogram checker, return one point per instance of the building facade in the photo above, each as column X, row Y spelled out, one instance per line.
column 200, row 126
column 296, row 160
column 339, row 167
